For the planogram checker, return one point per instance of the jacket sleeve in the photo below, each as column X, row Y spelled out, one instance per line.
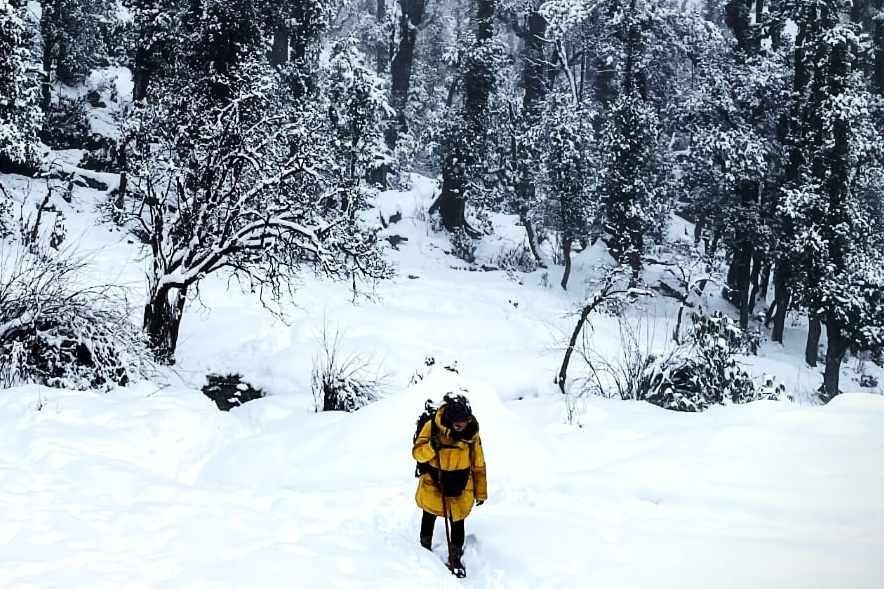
column 480, row 483
column 422, row 450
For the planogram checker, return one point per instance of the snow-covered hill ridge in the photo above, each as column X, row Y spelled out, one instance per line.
column 151, row 486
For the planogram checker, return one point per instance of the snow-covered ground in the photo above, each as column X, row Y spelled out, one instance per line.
column 151, row 486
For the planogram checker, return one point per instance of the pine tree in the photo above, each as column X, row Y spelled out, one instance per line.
column 20, row 115
column 465, row 137
column 72, row 43
column 834, row 241
column 570, row 178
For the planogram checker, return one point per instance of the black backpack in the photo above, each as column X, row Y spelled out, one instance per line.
column 429, row 414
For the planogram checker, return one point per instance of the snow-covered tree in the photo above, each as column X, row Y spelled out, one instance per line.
column 72, row 43
column 732, row 116
column 20, row 114
column 635, row 199
column 570, row 178
column 357, row 107
column 828, row 211
column 466, row 141
column 251, row 185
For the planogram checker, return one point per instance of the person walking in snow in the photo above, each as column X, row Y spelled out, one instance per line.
column 451, row 463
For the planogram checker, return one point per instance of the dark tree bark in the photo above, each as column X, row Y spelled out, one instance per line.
column 381, row 48
column 837, row 346
column 782, row 296
column 141, row 75
column 878, row 40
column 764, row 281
column 460, row 151
column 811, row 349
column 478, row 76
column 534, row 78
column 120, row 196
column 744, row 282
column 737, row 16
column 795, row 146
column 162, row 321
column 754, row 277
column 46, row 85
column 411, row 17
column 837, row 181
column 566, row 254
column 279, row 50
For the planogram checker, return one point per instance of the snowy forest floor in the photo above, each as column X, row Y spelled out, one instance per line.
column 152, row 486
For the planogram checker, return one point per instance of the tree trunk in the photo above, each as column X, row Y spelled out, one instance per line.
column 118, row 213
column 811, row 349
column 566, row 255
column 562, row 376
column 477, row 74
column 744, row 282
column 532, row 237
column 764, row 281
column 162, row 320
column 781, row 299
column 451, row 203
column 676, row 334
column 878, row 37
column 836, row 348
column 46, row 86
column 534, row 79
column 411, row 16
column 381, row 49
column 279, row 50
column 141, row 75
column 461, row 147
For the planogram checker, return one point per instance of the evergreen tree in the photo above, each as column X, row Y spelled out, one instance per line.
column 19, row 110
column 72, row 43
column 465, row 138
column 834, row 243
column 570, row 177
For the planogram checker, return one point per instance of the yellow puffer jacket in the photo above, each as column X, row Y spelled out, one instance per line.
column 453, row 455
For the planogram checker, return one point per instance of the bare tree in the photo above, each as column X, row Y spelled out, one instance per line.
column 612, row 288
column 249, row 186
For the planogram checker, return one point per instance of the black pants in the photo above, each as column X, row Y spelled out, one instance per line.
column 457, row 529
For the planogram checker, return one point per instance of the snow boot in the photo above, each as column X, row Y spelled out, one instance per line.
column 455, row 565
column 427, row 542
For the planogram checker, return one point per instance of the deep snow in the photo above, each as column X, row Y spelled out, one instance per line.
column 151, row 486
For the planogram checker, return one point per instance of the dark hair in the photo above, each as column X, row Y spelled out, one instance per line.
column 457, row 408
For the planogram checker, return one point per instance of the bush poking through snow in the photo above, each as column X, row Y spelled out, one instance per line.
column 706, row 371
column 342, row 382
column 518, row 259
column 703, row 371
column 230, row 391
column 66, row 124
column 55, row 334
column 463, row 246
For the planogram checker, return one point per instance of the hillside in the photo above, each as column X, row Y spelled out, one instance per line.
column 152, row 486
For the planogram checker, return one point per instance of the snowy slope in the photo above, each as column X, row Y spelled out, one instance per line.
column 151, row 486
column 155, row 488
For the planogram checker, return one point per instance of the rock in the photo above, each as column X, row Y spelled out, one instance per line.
column 395, row 240
column 867, row 381
column 94, row 99
column 230, row 391
column 87, row 182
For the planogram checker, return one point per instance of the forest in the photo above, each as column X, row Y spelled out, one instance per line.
column 257, row 131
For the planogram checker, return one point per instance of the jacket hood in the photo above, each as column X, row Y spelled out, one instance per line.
column 469, row 434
